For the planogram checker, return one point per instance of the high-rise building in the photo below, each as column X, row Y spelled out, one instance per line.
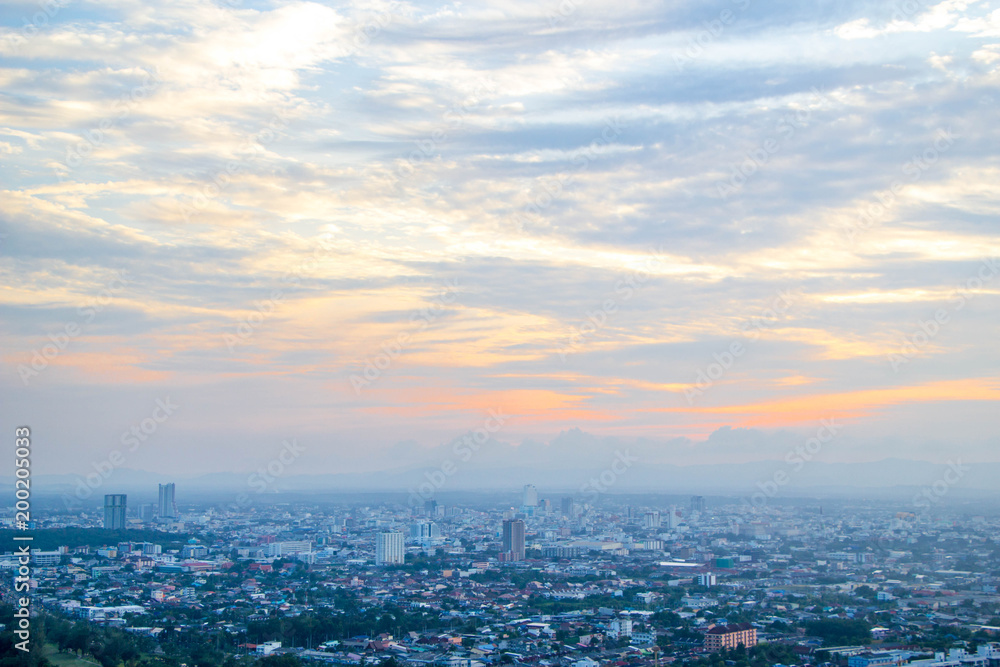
column 672, row 519
column 389, row 549
column 567, row 506
column 530, row 496
column 115, row 506
column 425, row 530
column 167, row 505
column 513, row 538
column 651, row 519
column 698, row 504
column 147, row 512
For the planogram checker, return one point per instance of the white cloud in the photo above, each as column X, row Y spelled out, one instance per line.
column 420, row 143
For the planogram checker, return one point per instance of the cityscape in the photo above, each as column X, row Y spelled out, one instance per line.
column 550, row 579
column 506, row 333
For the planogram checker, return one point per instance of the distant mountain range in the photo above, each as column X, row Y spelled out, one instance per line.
column 890, row 477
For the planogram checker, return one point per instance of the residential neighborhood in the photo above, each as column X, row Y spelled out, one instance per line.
column 549, row 582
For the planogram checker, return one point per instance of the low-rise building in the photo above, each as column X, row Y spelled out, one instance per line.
column 730, row 636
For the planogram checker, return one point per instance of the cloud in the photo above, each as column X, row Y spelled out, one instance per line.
column 620, row 191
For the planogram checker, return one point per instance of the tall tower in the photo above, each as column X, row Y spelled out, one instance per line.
column 513, row 538
column 567, row 506
column 114, row 511
column 389, row 548
column 672, row 518
column 167, row 505
column 530, row 496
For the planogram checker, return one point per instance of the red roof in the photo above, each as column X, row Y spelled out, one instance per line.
column 726, row 629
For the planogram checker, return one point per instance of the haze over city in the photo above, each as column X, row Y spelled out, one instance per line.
column 563, row 333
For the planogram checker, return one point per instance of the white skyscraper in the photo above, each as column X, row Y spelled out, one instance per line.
column 530, row 496
column 389, row 548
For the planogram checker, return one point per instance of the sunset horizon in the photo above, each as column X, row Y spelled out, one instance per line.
column 368, row 226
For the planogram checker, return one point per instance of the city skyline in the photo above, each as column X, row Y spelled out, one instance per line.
column 598, row 584
column 410, row 333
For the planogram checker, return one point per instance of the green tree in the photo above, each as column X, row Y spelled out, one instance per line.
column 840, row 631
column 285, row 660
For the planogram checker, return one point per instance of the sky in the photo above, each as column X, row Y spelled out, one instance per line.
column 375, row 227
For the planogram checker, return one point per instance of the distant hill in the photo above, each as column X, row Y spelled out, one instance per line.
column 890, row 477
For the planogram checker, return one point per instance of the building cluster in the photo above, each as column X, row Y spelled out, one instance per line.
column 116, row 508
column 566, row 582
